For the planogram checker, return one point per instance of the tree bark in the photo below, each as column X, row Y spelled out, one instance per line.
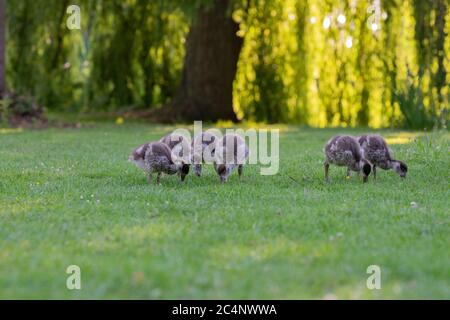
column 2, row 47
column 440, row 76
column 212, row 53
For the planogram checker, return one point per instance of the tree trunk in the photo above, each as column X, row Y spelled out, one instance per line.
column 440, row 76
column 2, row 47
column 212, row 53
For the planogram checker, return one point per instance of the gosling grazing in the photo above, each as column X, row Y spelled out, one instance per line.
column 155, row 158
column 180, row 149
column 378, row 153
column 231, row 152
column 203, row 147
column 346, row 151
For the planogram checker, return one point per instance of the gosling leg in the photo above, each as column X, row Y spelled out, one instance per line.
column 326, row 166
column 158, row 179
column 349, row 173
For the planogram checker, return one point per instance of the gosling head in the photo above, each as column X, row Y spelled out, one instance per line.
column 223, row 170
column 196, row 162
column 184, row 170
column 197, row 169
column 400, row 167
column 366, row 168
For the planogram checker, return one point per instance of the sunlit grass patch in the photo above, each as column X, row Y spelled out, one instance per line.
column 10, row 130
column 402, row 137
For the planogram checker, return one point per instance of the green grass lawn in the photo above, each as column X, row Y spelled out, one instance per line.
column 69, row 197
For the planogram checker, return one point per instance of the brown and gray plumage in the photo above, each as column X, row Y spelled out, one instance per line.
column 203, row 147
column 180, row 148
column 346, row 151
column 231, row 152
column 154, row 157
column 172, row 140
column 378, row 153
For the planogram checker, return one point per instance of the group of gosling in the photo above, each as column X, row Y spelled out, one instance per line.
column 225, row 153
column 361, row 154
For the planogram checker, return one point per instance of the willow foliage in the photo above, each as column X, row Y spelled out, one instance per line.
column 319, row 62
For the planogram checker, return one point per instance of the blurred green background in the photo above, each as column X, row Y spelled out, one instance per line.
column 379, row 63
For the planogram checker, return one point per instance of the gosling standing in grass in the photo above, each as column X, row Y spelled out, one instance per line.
column 231, row 152
column 203, row 147
column 180, row 149
column 156, row 158
column 378, row 153
column 346, row 151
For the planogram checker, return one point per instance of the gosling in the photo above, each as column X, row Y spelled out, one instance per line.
column 203, row 147
column 346, row 151
column 180, row 149
column 378, row 153
column 231, row 152
column 156, row 157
